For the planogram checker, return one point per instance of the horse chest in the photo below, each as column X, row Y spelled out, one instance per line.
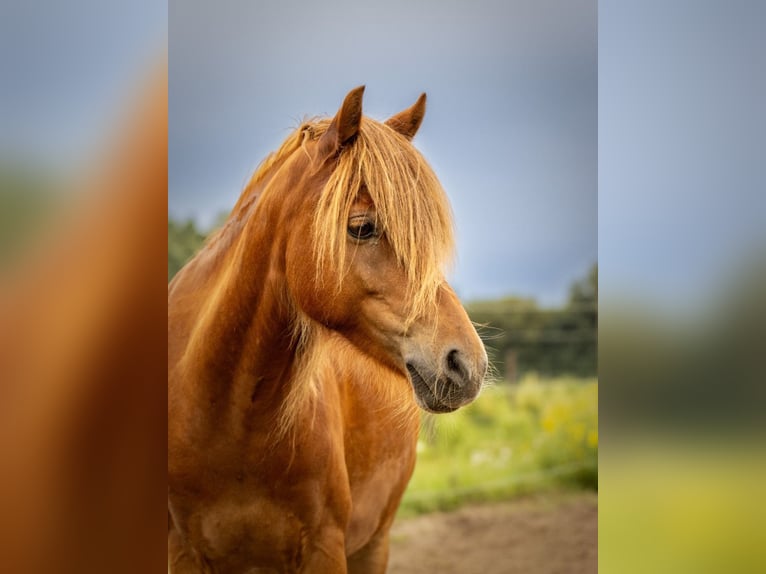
column 271, row 518
column 374, row 499
column 378, row 472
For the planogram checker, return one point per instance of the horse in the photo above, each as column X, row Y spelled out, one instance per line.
column 302, row 339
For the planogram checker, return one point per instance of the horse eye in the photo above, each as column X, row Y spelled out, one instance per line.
column 362, row 230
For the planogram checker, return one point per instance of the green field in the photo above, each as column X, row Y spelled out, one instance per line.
column 513, row 439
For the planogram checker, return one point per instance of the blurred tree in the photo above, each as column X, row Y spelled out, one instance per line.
column 27, row 200
column 585, row 291
column 551, row 342
column 184, row 240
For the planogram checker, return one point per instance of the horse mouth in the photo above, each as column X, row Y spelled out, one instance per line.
column 425, row 395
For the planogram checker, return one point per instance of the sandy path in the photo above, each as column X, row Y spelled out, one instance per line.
column 544, row 534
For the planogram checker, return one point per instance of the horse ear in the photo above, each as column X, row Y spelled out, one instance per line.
column 345, row 124
column 408, row 121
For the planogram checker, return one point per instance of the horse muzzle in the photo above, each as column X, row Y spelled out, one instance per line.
column 454, row 383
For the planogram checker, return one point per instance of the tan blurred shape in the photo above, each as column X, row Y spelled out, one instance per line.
column 82, row 367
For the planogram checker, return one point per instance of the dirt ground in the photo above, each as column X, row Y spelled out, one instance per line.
column 544, row 534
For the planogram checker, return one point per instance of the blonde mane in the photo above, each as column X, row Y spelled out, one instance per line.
column 411, row 207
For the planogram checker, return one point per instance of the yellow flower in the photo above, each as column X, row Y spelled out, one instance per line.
column 549, row 423
column 577, row 431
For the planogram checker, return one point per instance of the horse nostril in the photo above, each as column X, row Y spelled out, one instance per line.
column 455, row 364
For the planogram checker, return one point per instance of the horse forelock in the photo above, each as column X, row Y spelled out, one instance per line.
column 410, row 205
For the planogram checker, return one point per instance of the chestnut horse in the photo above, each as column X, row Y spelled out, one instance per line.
column 301, row 340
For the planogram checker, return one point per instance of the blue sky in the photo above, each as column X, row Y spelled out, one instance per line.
column 511, row 126
column 66, row 69
column 521, row 97
column 682, row 147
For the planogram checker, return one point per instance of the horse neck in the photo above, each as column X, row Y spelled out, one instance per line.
column 235, row 318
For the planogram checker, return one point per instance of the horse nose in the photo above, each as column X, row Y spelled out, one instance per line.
column 464, row 371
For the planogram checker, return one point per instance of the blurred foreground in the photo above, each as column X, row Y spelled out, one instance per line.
column 676, row 505
column 83, row 363
column 683, row 459
column 682, row 253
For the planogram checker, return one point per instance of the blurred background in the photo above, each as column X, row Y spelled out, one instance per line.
column 511, row 131
column 83, row 368
column 682, row 253
column 524, row 99
column 68, row 72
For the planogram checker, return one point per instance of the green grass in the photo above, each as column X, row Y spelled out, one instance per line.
column 514, row 439
column 683, row 503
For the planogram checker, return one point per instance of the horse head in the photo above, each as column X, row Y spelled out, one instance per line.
column 368, row 234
